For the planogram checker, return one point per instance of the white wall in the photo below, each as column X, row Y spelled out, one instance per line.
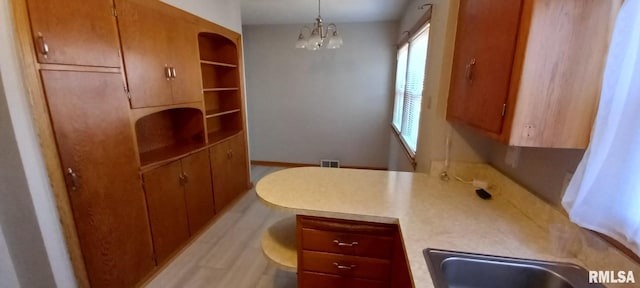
column 8, row 277
column 32, row 223
column 304, row 106
column 222, row 12
column 466, row 145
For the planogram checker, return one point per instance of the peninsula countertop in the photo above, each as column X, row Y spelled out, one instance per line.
column 432, row 213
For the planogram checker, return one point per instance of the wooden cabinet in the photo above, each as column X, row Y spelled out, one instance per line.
column 61, row 37
column 180, row 201
column 528, row 72
column 160, row 53
column 342, row 253
column 90, row 117
column 228, row 166
column 198, row 190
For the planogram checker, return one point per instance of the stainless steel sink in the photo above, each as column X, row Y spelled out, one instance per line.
column 465, row 270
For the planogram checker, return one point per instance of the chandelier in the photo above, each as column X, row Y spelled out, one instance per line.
column 319, row 37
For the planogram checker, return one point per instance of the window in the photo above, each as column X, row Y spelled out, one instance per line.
column 410, row 72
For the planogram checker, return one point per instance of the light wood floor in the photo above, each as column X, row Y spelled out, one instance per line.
column 228, row 254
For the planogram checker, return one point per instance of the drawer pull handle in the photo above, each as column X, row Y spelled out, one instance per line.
column 344, row 267
column 342, row 244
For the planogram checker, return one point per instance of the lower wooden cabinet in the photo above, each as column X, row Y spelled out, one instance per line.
column 229, row 170
column 342, row 253
column 180, row 201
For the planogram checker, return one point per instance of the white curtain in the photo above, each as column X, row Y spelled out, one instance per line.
column 604, row 193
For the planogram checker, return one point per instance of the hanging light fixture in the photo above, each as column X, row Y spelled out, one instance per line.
column 319, row 37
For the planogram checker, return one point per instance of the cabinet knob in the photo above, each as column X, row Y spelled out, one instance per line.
column 173, row 72
column 44, row 48
column 470, row 66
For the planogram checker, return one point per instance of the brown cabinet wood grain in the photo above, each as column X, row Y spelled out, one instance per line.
column 96, row 147
column 180, row 201
column 228, row 168
column 483, row 60
column 521, row 72
column 198, row 190
column 160, row 52
column 346, row 253
column 167, row 209
column 61, row 37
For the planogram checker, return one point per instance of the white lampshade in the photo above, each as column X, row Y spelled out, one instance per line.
column 335, row 41
column 315, row 39
column 302, row 42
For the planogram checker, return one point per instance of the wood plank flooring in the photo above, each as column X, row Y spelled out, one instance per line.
column 228, row 254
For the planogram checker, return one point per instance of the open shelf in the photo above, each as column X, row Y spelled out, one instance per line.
column 218, row 76
column 279, row 244
column 169, row 134
column 217, row 48
column 219, row 89
column 221, row 135
column 218, row 63
column 216, row 113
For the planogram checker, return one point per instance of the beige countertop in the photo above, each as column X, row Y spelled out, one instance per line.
column 432, row 213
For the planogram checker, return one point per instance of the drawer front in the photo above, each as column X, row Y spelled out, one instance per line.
column 319, row 280
column 346, row 265
column 347, row 243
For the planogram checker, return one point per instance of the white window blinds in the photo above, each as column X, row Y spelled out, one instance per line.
column 412, row 59
column 401, row 81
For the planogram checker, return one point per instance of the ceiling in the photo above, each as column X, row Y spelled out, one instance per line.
column 268, row 12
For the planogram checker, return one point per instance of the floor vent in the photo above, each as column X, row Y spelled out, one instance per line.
column 330, row 163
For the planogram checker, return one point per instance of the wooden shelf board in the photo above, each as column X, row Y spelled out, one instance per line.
column 219, row 89
column 216, row 113
column 219, row 136
column 166, row 154
column 218, row 63
column 279, row 244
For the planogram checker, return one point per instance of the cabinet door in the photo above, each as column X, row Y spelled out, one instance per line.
column 238, row 164
column 183, row 39
column 198, row 190
column 90, row 40
column 90, row 117
column 143, row 31
column 483, row 61
column 222, row 179
column 167, row 209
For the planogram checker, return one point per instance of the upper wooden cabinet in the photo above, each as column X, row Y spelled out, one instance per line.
column 60, row 36
column 160, row 52
column 529, row 72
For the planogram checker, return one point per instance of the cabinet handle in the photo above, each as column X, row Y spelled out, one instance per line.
column 344, row 267
column 470, row 66
column 173, row 72
column 74, row 179
column 343, row 244
column 229, row 154
column 44, row 48
column 167, row 72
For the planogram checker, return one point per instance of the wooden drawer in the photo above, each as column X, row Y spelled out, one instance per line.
column 319, row 280
column 346, row 265
column 347, row 243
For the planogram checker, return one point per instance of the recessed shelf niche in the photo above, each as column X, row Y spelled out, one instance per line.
column 169, row 134
column 221, row 86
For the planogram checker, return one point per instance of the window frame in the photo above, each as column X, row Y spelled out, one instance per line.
column 419, row 29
